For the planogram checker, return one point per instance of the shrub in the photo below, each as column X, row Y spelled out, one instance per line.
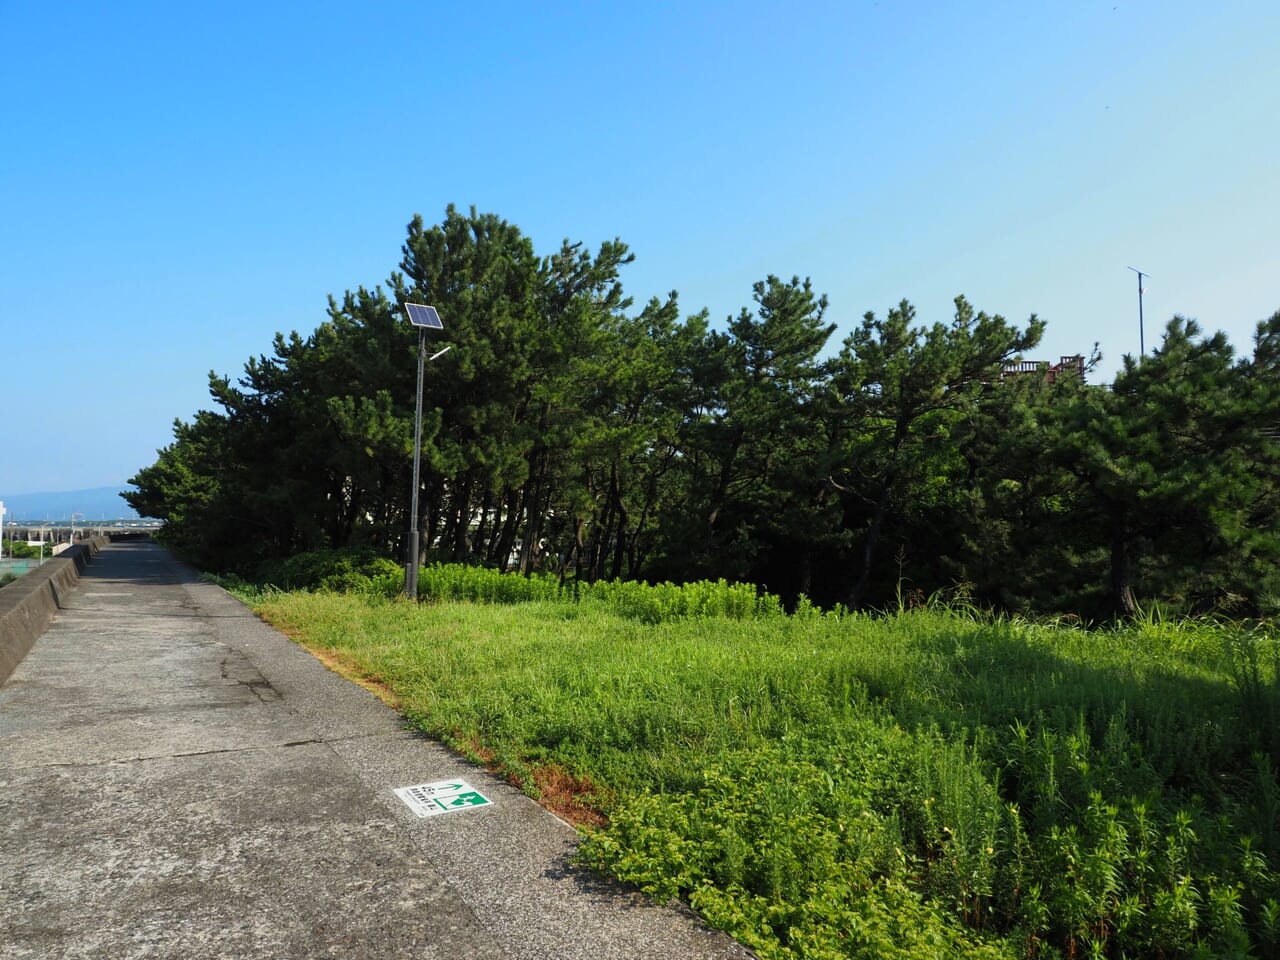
column 456, row 581
column 356, row 570
column 659, row 603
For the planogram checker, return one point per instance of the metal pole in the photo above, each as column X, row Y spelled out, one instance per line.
column 1142, row 345
column 411, row 571
column 1142, row 340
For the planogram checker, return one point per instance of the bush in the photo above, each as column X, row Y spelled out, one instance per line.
column 20, row 550
column 350, row 570
column 658, row 603
column 647, row 603
column 456, row 581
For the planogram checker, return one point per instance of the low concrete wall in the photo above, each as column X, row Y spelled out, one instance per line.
column 29, row 603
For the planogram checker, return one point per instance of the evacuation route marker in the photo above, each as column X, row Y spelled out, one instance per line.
column 445, row 796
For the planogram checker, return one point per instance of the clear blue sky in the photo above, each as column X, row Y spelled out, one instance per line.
column 178, row 181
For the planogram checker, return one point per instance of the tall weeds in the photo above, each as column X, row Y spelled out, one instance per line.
column 931, row 783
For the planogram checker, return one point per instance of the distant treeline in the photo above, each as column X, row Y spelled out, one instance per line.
column 566, row 432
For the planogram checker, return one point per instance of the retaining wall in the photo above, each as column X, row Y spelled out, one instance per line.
column 29, row 603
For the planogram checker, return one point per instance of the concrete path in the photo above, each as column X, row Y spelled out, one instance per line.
column 179, row 780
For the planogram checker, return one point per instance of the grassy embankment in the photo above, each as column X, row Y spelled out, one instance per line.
column 931, row 784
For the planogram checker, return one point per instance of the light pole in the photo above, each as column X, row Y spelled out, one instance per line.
column 424, row 318
column 1142, row 346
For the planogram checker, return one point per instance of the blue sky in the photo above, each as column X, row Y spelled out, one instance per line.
column 178, row 182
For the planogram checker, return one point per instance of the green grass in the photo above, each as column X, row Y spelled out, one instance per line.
column 930, row 784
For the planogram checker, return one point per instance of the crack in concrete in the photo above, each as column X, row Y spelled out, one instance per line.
column 258, row 685
column 165, row 756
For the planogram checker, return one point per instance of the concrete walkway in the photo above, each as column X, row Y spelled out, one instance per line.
column 179, row 780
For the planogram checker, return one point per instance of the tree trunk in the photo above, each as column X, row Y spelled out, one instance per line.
column 486, row 507
column 859, row 591
column 620, row 537
column 1122, row 600
column 721, row 491
column 428, row 536
column 637, row 553
column 500, row 552
column 599, row 543
column 462, row 519
column 575, row 555
column 806, row 572
column 533, row 519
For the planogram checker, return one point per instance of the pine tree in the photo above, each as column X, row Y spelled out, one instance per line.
column 747, row 437
column 896, row 392
column 1177, row 465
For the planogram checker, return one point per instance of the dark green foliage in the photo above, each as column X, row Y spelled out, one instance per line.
column 897, row 395
column 1166, row 485
column 565, row 434
column 750, row 454
column 1173, row 467
column 21, row 550
column 352, row 570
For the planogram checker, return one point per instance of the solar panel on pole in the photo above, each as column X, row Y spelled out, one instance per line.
column 424, row 318
column 421, row 315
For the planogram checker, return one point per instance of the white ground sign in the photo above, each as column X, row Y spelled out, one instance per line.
column 444, row 796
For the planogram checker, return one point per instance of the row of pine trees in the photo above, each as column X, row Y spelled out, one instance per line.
column 566, row 431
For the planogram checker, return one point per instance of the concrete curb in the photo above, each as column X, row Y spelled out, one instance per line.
column 29, row 603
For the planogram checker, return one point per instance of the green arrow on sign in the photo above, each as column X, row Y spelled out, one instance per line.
column 472, row 799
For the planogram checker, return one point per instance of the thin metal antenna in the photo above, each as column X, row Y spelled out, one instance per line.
column 1142, row 346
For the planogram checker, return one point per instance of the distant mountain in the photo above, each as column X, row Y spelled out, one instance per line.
column 98, row 503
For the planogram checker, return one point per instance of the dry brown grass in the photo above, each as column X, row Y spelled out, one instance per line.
column 345, row 666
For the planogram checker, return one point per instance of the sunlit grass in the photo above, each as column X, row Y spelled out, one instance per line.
column 937, row 766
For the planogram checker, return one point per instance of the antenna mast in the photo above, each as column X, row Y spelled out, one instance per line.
column 1142, row 346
